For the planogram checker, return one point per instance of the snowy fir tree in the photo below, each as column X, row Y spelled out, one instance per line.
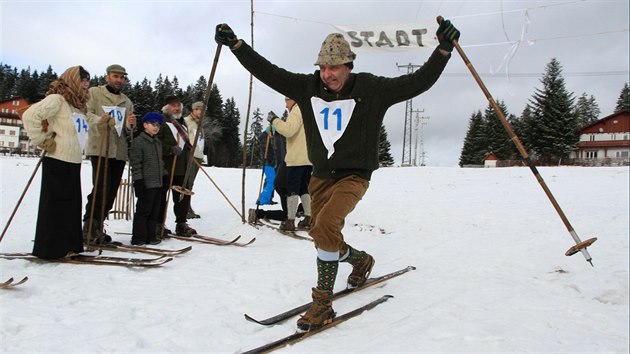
column 385, row 158
column 254, row 155
column 497, row 139
column 623, row 102
column 586, row 110
column 556, row 128
column 474, row 149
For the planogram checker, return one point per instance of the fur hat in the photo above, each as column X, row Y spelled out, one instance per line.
column 198, row 104
column 335, row 50
column 153, row 117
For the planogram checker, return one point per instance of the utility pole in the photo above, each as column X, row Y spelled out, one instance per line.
column 406, row 153
column 420, row 123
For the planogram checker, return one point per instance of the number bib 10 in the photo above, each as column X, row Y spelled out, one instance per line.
column 118, row 113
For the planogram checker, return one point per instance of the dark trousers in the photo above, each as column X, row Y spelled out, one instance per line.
column 111, row 182
column 58, row 229
column 147, row 214
column 180, row 208
column 297, row 179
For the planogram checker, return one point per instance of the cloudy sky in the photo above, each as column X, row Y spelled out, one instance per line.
column 509, row 43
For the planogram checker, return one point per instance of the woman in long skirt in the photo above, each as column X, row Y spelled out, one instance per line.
column 57, row 125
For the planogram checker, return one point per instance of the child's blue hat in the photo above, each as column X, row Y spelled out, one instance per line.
column 153, row 117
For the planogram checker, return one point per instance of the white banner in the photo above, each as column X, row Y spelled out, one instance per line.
column 390, row 37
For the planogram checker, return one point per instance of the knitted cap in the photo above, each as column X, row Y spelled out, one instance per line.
column 335, row 50
column 153, row 117
column 198, row 104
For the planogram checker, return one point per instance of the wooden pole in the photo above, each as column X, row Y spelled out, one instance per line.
column 249, row 106
column 580, row 246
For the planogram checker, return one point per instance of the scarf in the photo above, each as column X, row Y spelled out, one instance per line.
column 69, row 86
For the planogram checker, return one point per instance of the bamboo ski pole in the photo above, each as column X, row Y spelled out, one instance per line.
column 217, row 187
column 580, row 246
column 95, row 190
column 168, row 193
column 182, row 189
column 249, row 109
column 28, row 184
column 104, row 194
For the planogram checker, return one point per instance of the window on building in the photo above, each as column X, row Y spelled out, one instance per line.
column 592, row 138
column 1, row 143
column 12, row 132
column 2, row 132
column 591, row 154
column 622, row 154
column 16, row 103
column 11, row 144
column 22, row 147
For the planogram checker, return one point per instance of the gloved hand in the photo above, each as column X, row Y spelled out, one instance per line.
column 271, row 116
column 138, row 187
column 446, row 33
column 225, row 36
column 48, row 145
column 176, row 150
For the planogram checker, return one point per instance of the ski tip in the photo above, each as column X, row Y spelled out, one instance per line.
column 411, row 267
column 387, row 297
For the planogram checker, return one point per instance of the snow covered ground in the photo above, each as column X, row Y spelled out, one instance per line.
column 488, row 246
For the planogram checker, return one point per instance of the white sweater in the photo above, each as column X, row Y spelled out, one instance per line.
column 58, row 113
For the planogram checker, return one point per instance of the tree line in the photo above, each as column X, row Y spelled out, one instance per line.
column 222, row 145
column 548, row 127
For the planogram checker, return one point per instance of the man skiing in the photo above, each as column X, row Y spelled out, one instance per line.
column 342, row 115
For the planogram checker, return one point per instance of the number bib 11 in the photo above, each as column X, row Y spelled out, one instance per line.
column 332, row 119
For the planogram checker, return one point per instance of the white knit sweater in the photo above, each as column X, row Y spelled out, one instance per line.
column 58, row 113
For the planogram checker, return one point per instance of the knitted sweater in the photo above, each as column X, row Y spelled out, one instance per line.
column 192, row 125
column 356, row 151
column 145, row 158
column 293, row 130
column 58, row 112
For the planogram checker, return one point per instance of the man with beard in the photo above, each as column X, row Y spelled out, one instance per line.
column 111, row 120
column 175, row 149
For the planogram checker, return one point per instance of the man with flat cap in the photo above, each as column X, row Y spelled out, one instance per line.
column 111, row 120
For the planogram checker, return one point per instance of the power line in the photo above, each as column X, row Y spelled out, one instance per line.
column 511, row 75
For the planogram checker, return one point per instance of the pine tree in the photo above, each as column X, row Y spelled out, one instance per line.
column 623, row 102
column 524, row 127
column 229, row 153
column 212, row 121
column 385, row 158
column 253, row 146
column 8, row 77
column 26, row 86
column 143, row 98
column 45, row 78
column 586, row 110
column 474, row 149
column 497, row 139
column 556, row 124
